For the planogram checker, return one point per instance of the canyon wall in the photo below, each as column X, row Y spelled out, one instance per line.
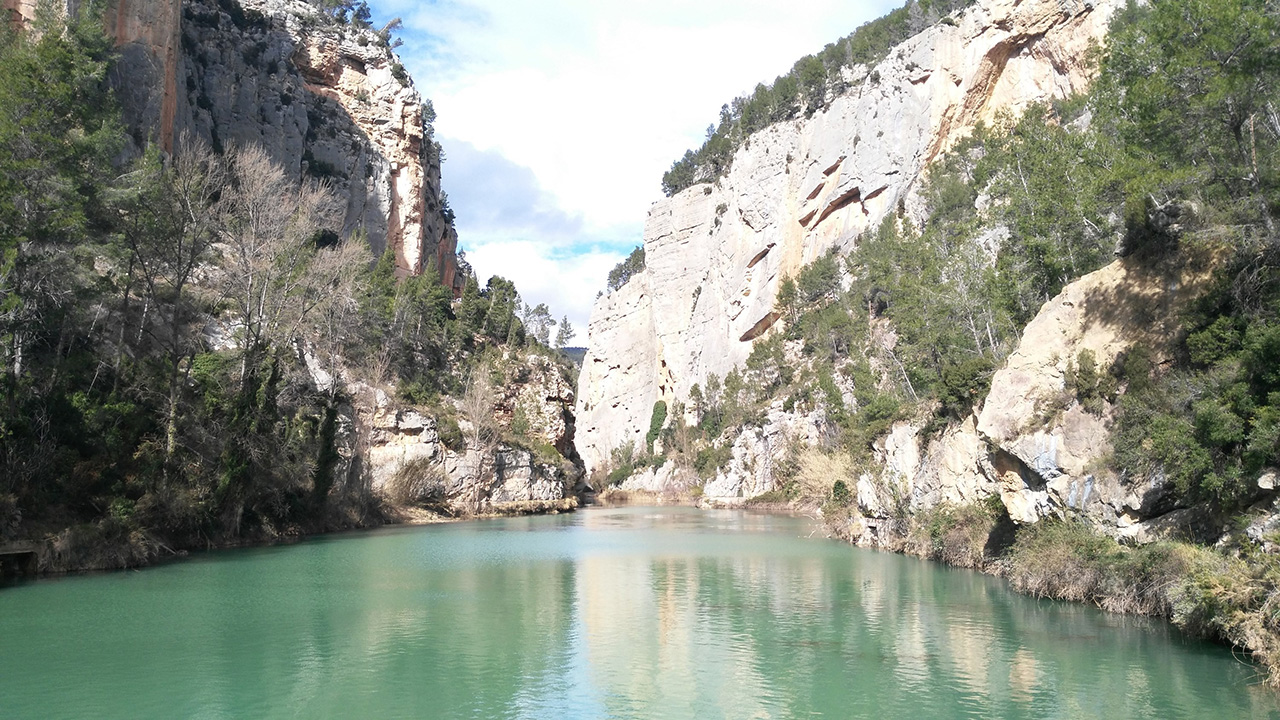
column 330, row 101
column 717, row 253
column 327, row 100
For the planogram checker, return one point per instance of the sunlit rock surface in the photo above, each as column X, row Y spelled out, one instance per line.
column 1045, row 447
column 716, row 253
column 384, row 437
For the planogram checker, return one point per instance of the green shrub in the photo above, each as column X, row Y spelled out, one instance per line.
column 963, row 384
column 657, row 419
column 1136, row 369
column 840, row 493
column 628, row 268
column 450, row 434
column 711, row 459
column 400, row 74
column 623, row 462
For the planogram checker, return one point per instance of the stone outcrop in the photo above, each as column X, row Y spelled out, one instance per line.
column 756, row 452
column 382, row 438
column 948, row 469
column 407, row 440
column 716, row 253
column 1045, row 446
column 667, row 479
column 1032, row 443
column 325, row 100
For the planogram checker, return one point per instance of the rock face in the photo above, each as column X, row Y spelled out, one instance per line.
column 383, row 439
column 1043, row 455
column 949, row 469
column 716, row 253
column 405, row 438
column 756, row 452
column 1032, row 443
column 325, row 100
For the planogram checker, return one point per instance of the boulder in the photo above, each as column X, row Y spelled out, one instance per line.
column 1047, row 446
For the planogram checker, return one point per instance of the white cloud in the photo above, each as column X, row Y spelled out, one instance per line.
column 562, row 282
column 588, row 102
column 514, row 228
column 495, row 195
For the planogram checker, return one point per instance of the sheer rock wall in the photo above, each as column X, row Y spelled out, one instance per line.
column 325, row 100
column 717, row 253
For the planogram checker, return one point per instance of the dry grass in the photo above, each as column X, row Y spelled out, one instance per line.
column 954, row 534
column 1231, row 598
column 418, row 482
column 818, row 472
column 105, row 545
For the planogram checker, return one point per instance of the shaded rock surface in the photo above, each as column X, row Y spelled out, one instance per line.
column 326, row 101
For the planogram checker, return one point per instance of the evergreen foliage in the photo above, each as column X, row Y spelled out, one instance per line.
column 1211, row 424
column 627, row 269
column 161, row 324
column 811, row 83
column 657, row 419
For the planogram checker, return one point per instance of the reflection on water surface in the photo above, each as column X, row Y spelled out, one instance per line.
column 627, row 613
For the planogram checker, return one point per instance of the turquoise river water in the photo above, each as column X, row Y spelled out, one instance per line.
column 605, row 613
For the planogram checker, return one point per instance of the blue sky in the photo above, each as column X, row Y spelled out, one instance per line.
column 559, row 117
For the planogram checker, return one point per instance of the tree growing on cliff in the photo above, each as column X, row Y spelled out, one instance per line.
column 482, row 432
column 538, row 321
column 627, row 269
column 501, row 322
column 1190, row 89
column 59, row 129
column 167, row 222
column 268, row 231
column 565, row 334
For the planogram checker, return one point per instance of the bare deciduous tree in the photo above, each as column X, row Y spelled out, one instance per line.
column 332, row 284
column 484, row 433
column 270, row 227
column 169, row 227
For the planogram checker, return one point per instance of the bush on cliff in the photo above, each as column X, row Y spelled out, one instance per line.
column 807, row 88
column 627, row 269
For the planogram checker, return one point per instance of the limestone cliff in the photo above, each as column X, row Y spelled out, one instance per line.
column 395, row 443
column 331, row 101
column 716, row 253
column 325, row 99
column 1031, row 442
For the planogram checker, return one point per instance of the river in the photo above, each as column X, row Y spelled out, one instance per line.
column 625, row 613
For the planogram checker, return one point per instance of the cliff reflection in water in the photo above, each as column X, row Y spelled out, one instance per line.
column 626, row 613
column 756, row 625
